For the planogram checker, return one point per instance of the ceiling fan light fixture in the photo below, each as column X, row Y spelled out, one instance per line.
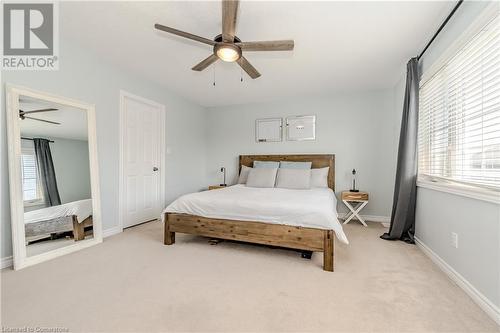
column 227, row 52
column 227, row 46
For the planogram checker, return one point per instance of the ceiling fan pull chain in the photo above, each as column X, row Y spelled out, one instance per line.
column 241, row 75
column 214, row 76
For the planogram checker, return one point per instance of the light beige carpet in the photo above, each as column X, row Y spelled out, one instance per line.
column 132, row 282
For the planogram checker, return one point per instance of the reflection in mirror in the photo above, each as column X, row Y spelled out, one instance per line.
column 55, row 175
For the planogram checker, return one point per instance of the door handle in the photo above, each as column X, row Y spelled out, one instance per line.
column 155, row 169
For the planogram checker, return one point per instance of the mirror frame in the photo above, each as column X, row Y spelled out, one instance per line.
column 21, row 260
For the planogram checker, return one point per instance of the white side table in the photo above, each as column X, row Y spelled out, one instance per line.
column 360, row 200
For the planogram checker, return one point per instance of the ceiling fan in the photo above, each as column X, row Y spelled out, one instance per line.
column 23, row 115
column 227, row 46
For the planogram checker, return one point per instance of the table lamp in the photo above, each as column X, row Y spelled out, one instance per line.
column 223, row 170
column 353, row 189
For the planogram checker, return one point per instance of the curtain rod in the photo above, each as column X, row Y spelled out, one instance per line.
column 23, row 138
column 440, row 28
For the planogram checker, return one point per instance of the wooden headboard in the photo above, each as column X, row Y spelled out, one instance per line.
column 318, row 161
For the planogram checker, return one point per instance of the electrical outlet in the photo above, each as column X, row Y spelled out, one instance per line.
column 454, row 240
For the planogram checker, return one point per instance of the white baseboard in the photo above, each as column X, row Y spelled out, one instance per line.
column 482, row 301
column 370, row 218
column 111, row 231
column 7, row 261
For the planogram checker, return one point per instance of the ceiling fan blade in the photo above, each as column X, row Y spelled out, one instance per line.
column 271, row 45
column 46, row 121
column 35, row 111
column 184, row 34
column 205, row 63
column 247, row 67
column 229, row 14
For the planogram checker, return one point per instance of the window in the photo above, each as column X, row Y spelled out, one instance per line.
column 459, row 116
column 32, row 193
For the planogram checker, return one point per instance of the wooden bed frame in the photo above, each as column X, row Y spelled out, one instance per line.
column 79, row 228
column 301, row 238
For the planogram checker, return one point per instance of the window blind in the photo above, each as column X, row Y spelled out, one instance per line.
column 29, row 173
column 459, row 115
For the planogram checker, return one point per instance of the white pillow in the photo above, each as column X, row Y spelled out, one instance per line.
column 264, row 177
column 244, row 174
column 299, row 179
column 319, row 177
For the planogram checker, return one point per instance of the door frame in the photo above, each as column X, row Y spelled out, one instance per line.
column 122, row 121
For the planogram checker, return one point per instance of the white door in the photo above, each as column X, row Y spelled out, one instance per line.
column 142, row 136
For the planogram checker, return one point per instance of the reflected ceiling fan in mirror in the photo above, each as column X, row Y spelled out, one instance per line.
column 227, row 46
column 23, row 115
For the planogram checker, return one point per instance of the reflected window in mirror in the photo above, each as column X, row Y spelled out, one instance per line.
column 32, row 191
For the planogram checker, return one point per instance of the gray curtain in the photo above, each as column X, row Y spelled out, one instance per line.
column 405, row 189
column 46, row 172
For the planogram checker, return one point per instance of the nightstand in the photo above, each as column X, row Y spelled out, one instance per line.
column 360, row 200
column 215, row 187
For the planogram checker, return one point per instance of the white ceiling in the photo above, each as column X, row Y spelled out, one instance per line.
column 73, row 120
column 339, row 46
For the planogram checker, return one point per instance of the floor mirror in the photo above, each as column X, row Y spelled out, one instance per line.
column 53, row 173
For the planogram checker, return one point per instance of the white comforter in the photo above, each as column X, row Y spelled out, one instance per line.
column 81, row 208
column 314, row 208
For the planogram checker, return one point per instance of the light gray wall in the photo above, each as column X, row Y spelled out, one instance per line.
column 85, row 77
column 477, row 224
column 71, row 164
column 439, row 214
column 358, row 128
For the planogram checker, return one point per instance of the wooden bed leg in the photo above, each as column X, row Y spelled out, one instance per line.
column 169, row 238
column 78, row 230
column 328, row 251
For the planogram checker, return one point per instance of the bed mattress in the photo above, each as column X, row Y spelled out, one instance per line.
column 81, row 208
column 314, row 208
